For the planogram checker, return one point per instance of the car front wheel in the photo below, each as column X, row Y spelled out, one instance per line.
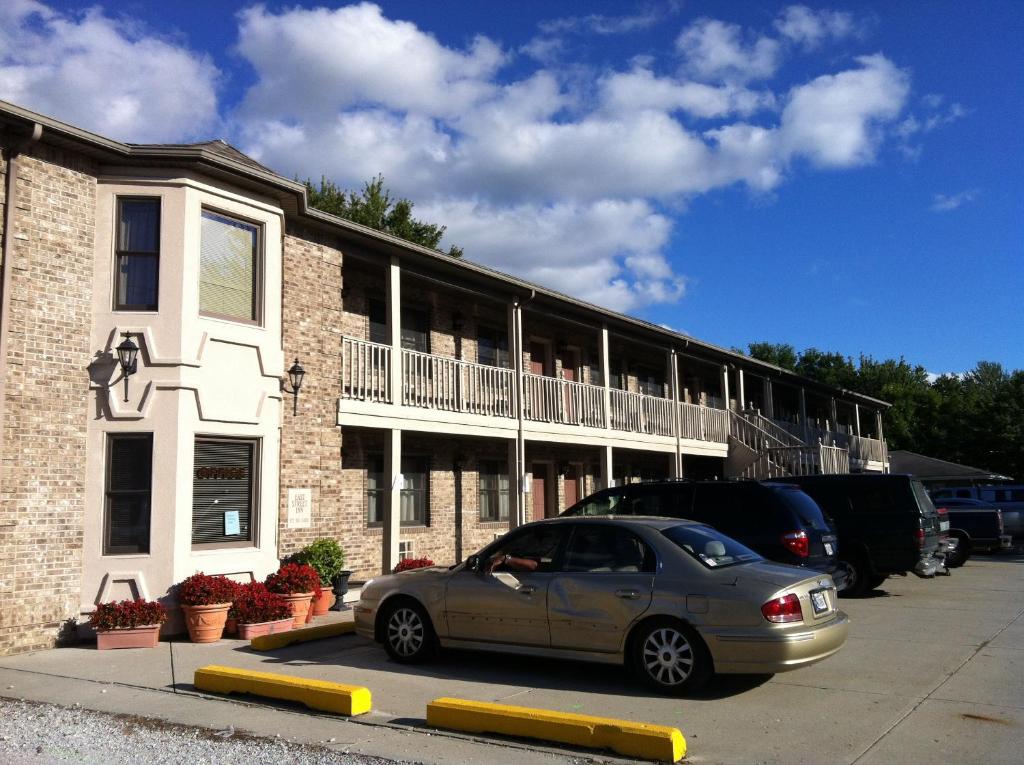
column 408, row 634
column 670, row 657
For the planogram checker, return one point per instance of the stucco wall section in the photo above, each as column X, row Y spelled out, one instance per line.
column 44, row 415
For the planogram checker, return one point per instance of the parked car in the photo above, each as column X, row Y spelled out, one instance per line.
column 779, row 522
column 886, row 523
column 1009, row 499
column 674, row 600
column 977, row 525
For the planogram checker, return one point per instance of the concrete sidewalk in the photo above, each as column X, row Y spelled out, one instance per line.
column 933, row 669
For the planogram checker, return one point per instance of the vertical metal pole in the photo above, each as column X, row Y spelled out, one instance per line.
column 394, row 314
column 743, row 389
column 393, row 499
column 673, row 370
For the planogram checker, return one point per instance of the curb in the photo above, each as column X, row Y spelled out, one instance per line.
column 316, row 694
column 282, row 639
column 649, row 742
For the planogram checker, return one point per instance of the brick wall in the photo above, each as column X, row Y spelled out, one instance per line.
column 47, row 399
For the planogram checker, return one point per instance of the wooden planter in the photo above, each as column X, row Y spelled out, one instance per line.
column 299, row 601
column 323, row 604
column 206, row 623
column 135, row 637
column 249, row 631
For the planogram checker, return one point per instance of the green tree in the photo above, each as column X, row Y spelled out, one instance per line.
column 780, row 354
column 830, row 368
column 375, row 208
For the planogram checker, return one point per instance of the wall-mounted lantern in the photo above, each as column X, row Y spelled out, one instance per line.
column 295, row 375
column 128, row 358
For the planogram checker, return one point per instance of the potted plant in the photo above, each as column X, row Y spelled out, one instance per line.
column 258, row 611
column 407, row 564
column 327, row 557
column 128, row 624
column 205, row 601
column 299, row 584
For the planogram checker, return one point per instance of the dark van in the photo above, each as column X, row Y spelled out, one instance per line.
column 780, row 522
column 886, row 524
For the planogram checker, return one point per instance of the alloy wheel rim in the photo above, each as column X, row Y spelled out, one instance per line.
column 405, row 631
column 668, row 656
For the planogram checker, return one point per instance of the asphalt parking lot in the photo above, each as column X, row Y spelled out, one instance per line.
column 933, row 669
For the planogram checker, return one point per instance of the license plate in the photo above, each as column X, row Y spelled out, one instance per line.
column 829, row 549
column 943, row 525
column 819, row 601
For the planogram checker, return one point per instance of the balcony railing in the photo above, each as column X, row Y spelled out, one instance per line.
column 703, row 424
column 547, row 399
column 638, row 413
column 867, row 449
column 365, row 371
column 437, row 382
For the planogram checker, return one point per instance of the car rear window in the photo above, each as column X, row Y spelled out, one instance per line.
column 712, row 549
column 923, row 500
column 806, row 509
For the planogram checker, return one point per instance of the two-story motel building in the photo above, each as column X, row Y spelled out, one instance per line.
column 443, row 402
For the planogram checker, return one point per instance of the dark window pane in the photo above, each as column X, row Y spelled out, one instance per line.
column 492, row 347
column 378, row 316
column 129, row 485
column 222, row 491
column 138, row 227
column 415, row 330
column 138, row 259
column 136, row 281
column 375, row 490
column 494, row 494
column 413, row 507
column 600, row 549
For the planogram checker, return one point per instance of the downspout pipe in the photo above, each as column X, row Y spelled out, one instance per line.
column 517, row 317
column 10, row 153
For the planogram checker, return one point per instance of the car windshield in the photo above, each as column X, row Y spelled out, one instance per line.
column 711, row 548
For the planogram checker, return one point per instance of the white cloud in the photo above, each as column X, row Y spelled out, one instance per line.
column 943, row 203
column 810, row 28
column 601, row 25
column 105, row 75
column 833, row 120
column 715, row 51
column 642, row 89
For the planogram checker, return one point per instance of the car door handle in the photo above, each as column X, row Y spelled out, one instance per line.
column 628, row 594
column 526, row 589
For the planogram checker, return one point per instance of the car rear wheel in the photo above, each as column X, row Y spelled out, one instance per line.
column 858, row 575
column 959, row 556
column 409, row 637
column 670, row 657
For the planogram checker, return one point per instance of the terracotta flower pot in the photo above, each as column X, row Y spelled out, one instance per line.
column 299, row 601
column 249, row 631
column 231, row 626
column 206, row 623
column 323, row 604
column 137, row 637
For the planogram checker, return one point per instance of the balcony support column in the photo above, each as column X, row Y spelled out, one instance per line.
column 607, row 471
column 673, row 379
column 805, row 426
column 515, row 470
column 606, row 377
column 518, row 478
column 725, row 387
column 742, row 389
column 769, row 403
column 834, row 411
column 856, row 419
column 395, row 482
column 394, row 316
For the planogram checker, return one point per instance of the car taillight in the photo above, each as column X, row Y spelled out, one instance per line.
column 942, row 511
column 920, row 538
column 797, row 543
column 784, row 609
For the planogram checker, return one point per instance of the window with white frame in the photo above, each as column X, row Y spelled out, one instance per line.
column 375, row 490
column 415, row 491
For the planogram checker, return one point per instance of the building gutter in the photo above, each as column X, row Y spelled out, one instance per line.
column 10, row 203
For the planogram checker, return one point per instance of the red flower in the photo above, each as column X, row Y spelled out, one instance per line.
column 407, row 564
column 295, row 577
column 254, row 603
column 202, row 590
column 128, row 614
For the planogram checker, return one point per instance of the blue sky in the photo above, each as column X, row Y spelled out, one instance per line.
column 842, row 176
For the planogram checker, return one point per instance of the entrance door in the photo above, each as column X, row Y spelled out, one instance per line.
column 539, row 490
column 571, row 486
column 539, row 358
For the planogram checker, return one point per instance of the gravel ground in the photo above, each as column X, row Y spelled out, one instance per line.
column 38, row 734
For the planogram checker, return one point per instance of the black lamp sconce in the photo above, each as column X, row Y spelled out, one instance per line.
column 295, row 375
column 128, row 358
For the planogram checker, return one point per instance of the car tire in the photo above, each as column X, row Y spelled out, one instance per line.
column 670, row 657
column 408, row 634
column 963, row 551
column 858, row 575
column 876, row 581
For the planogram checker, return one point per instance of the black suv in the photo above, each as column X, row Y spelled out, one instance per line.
column 778, row 521
column 887, row 525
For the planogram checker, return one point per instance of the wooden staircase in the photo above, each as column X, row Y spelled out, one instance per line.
column 760, row 449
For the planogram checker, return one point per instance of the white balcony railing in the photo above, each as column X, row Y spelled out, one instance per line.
column 703, row 423
column 365, row 371
column 437, row 382
column 867, row 449
column 548, row 399
column 638, row 413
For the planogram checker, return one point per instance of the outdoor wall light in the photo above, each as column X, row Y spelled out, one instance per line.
column 295, row 375
column 128, row 358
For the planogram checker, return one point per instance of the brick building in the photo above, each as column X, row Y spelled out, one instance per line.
column 443, row 402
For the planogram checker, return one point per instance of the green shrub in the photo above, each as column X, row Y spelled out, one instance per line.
column 326, row 556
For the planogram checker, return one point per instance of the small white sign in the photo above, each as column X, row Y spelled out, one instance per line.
column 399, row 482
column 300, row 508
column 232, row 525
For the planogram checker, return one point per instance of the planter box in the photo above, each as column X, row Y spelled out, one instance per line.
column 249, row 631
column 206, row 623
column 138, row 637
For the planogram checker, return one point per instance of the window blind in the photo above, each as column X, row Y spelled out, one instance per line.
column 228, row 267
column 222, row 484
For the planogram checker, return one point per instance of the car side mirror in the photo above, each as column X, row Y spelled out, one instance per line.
column 473, row 563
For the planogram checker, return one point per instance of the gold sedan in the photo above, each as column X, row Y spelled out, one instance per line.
column 677, row 601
